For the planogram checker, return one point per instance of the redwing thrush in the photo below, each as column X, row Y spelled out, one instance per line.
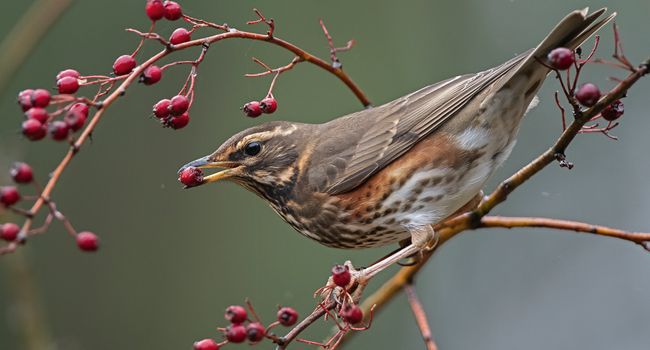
column 388, row 173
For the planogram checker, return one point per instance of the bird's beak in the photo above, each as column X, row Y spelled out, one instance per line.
column 207, row 162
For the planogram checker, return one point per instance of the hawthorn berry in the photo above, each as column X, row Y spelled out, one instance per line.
column 236, row 333
column 59, row 130
column 25, row 99
column 236, row 314
column 9, row 231
column 176, row 121
column 351, row 314
column 87, row 241
column 21, row 173
column 124, row 65
column 191, row 177
column 613, row 111
column 34, row 129
column 37, row 113
column 76, row 116
column 287, row 316
column 41, row 98
column 154, row 9
column 268, row 105
column 588, row 94
column 206, row 344
column 179, row 105
column 161, row 108
column 561, row 58
column 179, row 36
column 255, row 332
column 151, row 75
column 173, row 10
column 341, row 275
column 68, row 73
column 9, row 195
column 67, row 85
column 252, row 109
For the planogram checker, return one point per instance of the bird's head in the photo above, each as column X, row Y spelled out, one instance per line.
column 262, row 158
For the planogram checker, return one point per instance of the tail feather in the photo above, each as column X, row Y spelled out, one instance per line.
column 570, row 32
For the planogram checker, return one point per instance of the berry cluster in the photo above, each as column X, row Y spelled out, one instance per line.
column 241, row 328
column 62, row 120
column 173, row 113
column 588, row 94
column 22, row 174
column 254, row 109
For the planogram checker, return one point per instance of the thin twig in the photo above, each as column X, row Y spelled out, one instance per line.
column 420, row 316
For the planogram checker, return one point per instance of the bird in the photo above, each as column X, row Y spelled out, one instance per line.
column 386, row 174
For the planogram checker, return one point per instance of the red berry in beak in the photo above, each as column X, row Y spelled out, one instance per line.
column 191, row 177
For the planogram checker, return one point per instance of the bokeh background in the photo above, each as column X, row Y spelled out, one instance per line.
column 171, row 260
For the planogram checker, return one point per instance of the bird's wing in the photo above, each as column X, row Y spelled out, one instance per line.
column 392, row 129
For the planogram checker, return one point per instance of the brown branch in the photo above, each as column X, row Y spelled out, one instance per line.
column 318, row 312
column 640, row 238
column 420, row 316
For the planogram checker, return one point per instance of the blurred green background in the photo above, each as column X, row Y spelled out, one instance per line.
column 172, row 259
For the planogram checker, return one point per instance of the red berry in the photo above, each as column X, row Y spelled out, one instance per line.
column 154, row 9
column 9, row 231
column 59, row 130
column 252, row 109
column 37, row 113
column 40, row 98
column 9, row 195
column 178, row 122
column 191, row 177
column 179, row 36
column 87, row 241
column 67, row 85
column 255, row 332
column 124, row 65
column 25, row 99
column 22, row 173
column 76, row 116
column 34, row 129
column 173, row 10
column 341, row 275
column 287, row 316
column 351, row 314
column 68, row 73
column 206, row 344
column 561, row 58
column 151, row 75
column 179, row 104
column 588, row 94
column 268, row 105
column 613, row 111
column 236, row 314
column 236, row 333
column 161, row 108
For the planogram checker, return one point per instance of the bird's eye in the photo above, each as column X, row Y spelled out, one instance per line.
column 252, row 148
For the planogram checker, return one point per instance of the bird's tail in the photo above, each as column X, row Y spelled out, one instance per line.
column 571, row 32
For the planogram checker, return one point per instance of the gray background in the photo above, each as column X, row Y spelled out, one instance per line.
column 172, row 260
